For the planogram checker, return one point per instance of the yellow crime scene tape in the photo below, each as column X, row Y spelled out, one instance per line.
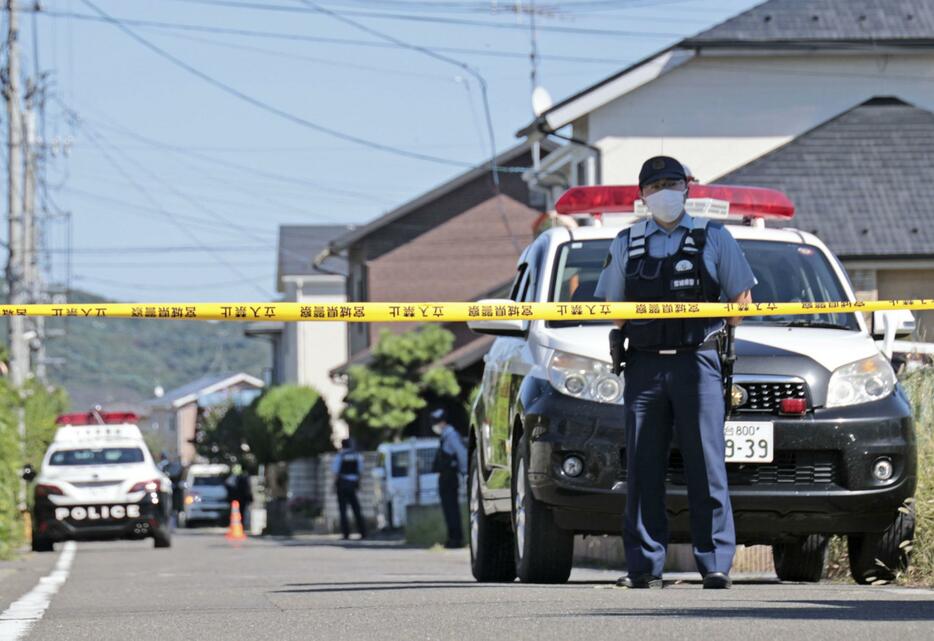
column 448, row 312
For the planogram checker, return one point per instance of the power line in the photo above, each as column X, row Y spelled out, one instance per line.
column 481, row 81
column 260, row 104
column 169, row 216
column 435, row 20
column 275, row 35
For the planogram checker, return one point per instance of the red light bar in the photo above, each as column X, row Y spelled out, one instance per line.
column 97, row 418
column 754, row 202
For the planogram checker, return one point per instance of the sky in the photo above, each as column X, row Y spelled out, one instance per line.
column 177, row 153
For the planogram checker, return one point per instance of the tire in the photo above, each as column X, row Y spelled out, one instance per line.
column 876, row 558
column 491, row 541
column 544, row 552
column 802, row 559
column 162, row 538
column 42, row 544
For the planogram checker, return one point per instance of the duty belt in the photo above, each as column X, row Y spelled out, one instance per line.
column 711, row 343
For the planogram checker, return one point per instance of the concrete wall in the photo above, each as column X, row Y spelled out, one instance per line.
column 718, row 112
column 312, row 478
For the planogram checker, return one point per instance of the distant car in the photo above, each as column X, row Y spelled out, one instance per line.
column 206, row 497
column 98, row 481
column 405, row 477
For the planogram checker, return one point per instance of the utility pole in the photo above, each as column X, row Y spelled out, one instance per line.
column 19, row 352
column 32, row 277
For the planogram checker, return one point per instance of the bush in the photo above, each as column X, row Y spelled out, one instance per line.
column 920, row 388
column 40, row 405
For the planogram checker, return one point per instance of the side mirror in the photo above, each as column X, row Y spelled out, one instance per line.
column 901, row 322
column 511, row 327
column 892, row 324
column 28, row 473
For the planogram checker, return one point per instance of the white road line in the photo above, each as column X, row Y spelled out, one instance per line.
column 23, row 614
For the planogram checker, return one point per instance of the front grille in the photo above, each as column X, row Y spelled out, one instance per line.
column 765, row 397
column 788, row 468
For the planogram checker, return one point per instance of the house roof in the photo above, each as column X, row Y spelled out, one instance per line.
column 207, row 384
column 769, row 25
column 861, row 181
column 343, row 242
column 824, row 22
column 300, row 244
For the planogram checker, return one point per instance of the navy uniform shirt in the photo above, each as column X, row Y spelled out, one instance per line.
column 723, row 258
column 338, row 460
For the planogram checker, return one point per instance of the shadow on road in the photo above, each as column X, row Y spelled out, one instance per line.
column 814, row 610
column 378, row 586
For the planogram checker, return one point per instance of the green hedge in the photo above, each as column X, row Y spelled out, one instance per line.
column 41, row 405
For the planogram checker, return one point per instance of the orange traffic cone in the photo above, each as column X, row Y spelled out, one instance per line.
column 235, row 531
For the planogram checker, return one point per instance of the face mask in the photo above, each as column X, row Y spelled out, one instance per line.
column 665, row 205
column 437, row 428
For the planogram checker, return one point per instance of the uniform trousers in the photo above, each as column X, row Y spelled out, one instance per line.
column 347, row 497
column 449, row 493
column 678, row 395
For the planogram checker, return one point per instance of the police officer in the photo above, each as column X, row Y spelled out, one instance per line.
column 674, row 385
column 348, row 467
column 450, row 464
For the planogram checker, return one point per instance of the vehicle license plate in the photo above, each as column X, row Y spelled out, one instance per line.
column 749, row 441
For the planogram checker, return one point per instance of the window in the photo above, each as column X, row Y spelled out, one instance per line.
column 208, row 481
column 577, row 270
column 787, row 272
column 399, row 464
column 426, row 459
column 103, row 456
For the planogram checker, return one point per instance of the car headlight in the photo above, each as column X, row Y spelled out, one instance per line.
column 867, row 380
column 584, row 378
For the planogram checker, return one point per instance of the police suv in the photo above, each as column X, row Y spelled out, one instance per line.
column 820, row 440
column 98, row 481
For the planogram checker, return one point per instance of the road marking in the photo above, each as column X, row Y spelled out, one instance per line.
column 16, row 621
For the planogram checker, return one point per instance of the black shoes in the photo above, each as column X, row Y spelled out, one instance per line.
column 717, row 581
column 641, row 582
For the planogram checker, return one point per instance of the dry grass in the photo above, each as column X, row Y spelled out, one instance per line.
column 920, row 388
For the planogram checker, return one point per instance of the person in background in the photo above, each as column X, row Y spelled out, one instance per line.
column 238, row 489
column 450, row 464
column 348, row 468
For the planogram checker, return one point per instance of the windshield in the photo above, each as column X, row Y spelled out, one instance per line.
column 104, row 456
column 787, row 272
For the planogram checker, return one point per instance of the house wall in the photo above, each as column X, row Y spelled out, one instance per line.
column 310, row 350
column 365, row 252
column 458, row 260
column 186, row 421
column 720, row 111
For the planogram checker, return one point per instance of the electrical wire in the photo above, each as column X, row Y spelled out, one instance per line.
column 265, row 106
column 275, row 35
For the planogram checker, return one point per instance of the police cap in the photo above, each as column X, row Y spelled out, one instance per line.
column 660, row 167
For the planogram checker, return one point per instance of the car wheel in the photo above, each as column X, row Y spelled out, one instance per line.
column 802, row 559
column 544, row 552
column 162, row 538
column 876, row 558
column 491, row 543
column 41, row 543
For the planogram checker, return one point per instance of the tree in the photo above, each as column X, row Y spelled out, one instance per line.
column 222, row 436
column 287, row 422
column 385, row 397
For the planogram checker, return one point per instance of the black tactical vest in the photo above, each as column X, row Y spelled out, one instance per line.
column 679, row 278
column 350, row 465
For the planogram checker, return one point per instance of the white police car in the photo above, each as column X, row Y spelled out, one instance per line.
column 820, row 442
column 98, row 481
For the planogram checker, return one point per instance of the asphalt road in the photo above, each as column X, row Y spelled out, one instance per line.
column 319, row 588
